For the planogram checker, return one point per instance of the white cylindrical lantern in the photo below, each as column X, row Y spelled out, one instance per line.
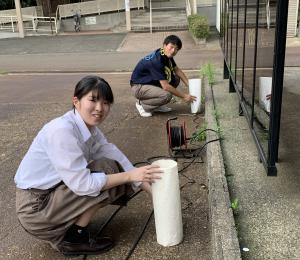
column 195, row 90
column 167, row 205
column 265, row 89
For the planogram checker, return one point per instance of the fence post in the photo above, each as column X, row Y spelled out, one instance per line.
column 194, row 6
column 225, row 71
column 150, row 16
column 231, row 85
column 127, row 10
column 12, row 24
column 20, row 19
column 55, row 23
column 33, row 24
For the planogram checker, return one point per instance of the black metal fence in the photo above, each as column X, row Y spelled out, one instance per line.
column 253, row 36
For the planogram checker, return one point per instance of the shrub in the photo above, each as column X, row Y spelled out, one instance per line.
column 191, row 18
column 198, row 26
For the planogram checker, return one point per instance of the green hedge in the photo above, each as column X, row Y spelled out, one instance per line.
column 198, row 26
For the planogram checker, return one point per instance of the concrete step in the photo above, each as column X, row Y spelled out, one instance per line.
column 162, row 17
column 170, row 3
column 161, row 21
column 170, row 8
column 163, row 13
column 159, row 28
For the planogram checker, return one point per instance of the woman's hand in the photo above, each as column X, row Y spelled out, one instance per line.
column 146, row 186
column 148, row 173
column 144, row 174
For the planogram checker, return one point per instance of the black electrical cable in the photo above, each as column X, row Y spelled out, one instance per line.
column 115, row 212
column 190, row 180
column 197, row 154
column 105, row 224
column 142, row 162
column 199, row 134
column 196, row 120
column 108, row 220
column 112, row 216
column 137, row 240
column 151, row 159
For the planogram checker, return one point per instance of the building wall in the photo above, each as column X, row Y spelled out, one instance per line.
column 292, row 18
column 207, row 8
column 206, row 2
column 99, row 22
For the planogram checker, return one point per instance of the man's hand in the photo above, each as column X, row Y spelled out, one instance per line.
column 189, row 98
column 186, row 97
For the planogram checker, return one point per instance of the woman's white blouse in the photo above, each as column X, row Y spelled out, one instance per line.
column 61, row 152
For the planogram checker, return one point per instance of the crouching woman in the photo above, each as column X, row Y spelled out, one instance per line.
column 71, row 170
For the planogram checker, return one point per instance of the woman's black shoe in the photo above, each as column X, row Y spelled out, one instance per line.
column 103, row 244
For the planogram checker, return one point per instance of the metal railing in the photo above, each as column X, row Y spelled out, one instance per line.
column 254, row 50
column 36, row 23
column 57, row 18
column 46, row 22
column 7, row 22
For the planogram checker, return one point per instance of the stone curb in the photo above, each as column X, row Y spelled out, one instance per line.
column 224, row 241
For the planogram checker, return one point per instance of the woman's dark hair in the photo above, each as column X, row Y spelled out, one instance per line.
column 99, row 87
column 174, row 40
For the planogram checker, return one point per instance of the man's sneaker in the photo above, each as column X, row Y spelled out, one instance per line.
column 163, row 109
column 141, row 110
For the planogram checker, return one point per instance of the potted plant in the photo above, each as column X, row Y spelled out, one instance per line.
column 198, row 27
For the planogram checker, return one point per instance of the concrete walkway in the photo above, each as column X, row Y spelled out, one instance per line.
column 268, row 215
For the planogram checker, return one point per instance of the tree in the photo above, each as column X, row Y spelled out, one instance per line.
column 26, row 3
column 10, row 4
column 4, row 4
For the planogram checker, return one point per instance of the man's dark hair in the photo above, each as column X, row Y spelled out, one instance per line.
column 174, row 40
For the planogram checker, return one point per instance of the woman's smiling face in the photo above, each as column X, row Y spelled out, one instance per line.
column 92, row 110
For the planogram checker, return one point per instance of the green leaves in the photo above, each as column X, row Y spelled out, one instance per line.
column 235, row 204
column 199, row 135
column 208, row 71
column 198, row 26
